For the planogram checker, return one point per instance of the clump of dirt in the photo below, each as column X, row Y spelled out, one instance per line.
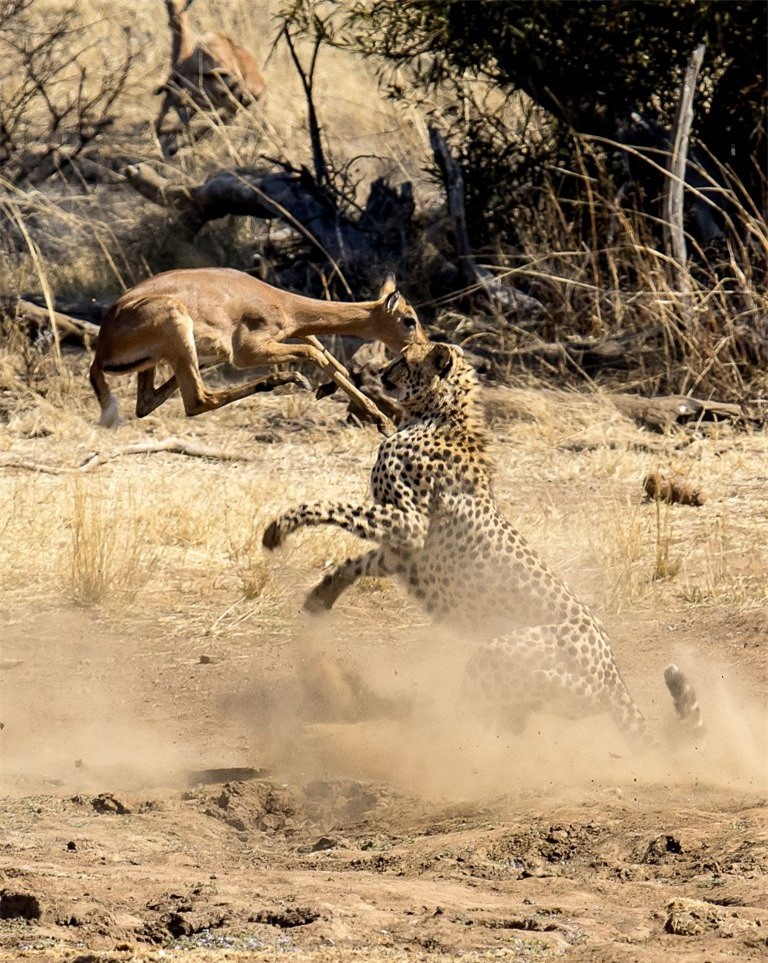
column 672, row 489
column 288, row 917
column 244, row 806
column 16, row 905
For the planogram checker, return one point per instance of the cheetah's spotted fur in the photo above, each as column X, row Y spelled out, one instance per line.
column 438, row 527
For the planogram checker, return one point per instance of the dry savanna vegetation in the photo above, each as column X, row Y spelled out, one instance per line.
column 191, row 767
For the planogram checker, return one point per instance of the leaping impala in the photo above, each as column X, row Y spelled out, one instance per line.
column 211, row 315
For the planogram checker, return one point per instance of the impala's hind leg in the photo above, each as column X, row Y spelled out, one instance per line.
column 148, row 397
column 110, row 414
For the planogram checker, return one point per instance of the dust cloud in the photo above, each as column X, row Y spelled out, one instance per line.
column 74, row 711
column 79, row 712
column 394, row 717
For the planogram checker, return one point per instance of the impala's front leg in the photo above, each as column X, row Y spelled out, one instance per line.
column 378, row 523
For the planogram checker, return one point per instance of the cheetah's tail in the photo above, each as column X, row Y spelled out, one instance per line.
column 684, row 696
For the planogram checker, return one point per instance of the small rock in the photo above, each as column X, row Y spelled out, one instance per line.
column 206, row 660
column 271, row 822
column 236, row 823
column 661, row 846
column 688, row 917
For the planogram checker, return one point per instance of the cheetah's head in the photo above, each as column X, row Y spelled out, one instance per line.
column 428, row 373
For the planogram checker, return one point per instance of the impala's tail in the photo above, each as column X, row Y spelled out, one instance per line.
column 684, row 696
column 110, row 413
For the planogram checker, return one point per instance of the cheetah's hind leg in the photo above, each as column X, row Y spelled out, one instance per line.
column 685, row 700
column 489, row 694
column 528, row 664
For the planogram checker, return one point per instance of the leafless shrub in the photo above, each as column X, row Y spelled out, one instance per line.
column 59, row 88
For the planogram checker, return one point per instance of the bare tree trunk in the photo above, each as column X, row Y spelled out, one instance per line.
column 674, row 233
column 454, row 195
column 500, row 294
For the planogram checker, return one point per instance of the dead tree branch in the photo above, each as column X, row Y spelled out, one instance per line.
column 38, row 320
column 307, row 77
column 674, row 232
column 453, row 182
column 499, row 294
column 58, row 96
column 174, row 446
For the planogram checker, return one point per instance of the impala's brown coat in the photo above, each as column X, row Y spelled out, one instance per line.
column 210, row 72
column 207, row 315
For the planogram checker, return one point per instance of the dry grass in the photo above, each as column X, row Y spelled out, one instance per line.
column 111, row 555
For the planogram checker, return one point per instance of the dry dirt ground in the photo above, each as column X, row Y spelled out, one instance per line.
column 193, row 769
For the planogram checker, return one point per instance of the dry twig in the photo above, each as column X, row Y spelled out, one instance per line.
column 173, row 445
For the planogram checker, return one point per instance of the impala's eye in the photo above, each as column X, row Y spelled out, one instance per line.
column 409, row 320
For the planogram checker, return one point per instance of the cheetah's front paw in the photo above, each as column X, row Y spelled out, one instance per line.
column 274, row 535
column 318, row 602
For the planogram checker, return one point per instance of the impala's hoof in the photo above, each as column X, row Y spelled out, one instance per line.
column 326, row 390
column 272, row 537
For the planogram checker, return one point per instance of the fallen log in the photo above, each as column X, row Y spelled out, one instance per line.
column 587, row 355
column 668, row 410
column 295, row 198
column 38, row 319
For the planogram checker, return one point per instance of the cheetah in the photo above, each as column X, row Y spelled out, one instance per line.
column 438, row 528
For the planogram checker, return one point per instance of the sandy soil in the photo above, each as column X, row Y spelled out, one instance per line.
column 192, row 776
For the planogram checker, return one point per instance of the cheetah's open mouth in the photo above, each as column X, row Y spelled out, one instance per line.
column 390, row 385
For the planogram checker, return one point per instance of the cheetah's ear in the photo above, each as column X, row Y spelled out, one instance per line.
column 442, row 359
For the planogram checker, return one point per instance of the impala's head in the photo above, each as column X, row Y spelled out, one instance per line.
column 394, row 320
column 430, row 373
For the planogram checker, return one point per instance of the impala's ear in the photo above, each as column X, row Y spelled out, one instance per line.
column 390, row 305
column 388, row 287
column 442, row 359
